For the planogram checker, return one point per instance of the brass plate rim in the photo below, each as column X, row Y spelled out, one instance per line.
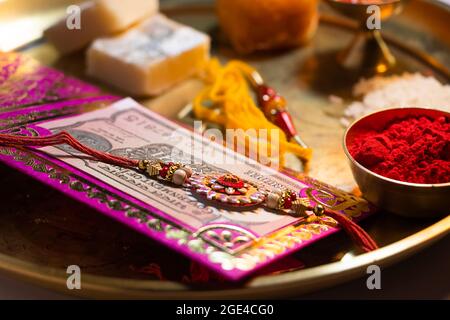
column 299, row 281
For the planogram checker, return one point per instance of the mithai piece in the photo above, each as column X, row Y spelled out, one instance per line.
column 98, row 19
column 149, row 58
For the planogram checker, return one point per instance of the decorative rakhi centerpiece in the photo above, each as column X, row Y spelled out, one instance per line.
column 228, row 188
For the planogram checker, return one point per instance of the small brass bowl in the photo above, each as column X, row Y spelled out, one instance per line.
column 403, row 198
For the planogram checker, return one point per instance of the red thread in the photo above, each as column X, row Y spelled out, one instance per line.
column 358, row 235
column 63, row 137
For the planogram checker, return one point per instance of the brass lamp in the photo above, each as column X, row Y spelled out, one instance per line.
column 368, row 49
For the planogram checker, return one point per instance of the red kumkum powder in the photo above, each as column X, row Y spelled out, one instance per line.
column 413, row 150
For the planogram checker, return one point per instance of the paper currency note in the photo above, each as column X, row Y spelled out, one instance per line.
column 129, row 130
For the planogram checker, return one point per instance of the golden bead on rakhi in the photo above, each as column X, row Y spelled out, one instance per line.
column 151, row 168
column 286, row 198
column 176, row 173
column 300, row 206
column 319, row 209
column 281, row 199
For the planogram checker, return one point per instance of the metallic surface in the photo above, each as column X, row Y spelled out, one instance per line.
column 42, row 232
column 359, row 12
column 368, row 48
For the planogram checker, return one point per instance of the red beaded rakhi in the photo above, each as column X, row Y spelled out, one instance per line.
column 226, row 189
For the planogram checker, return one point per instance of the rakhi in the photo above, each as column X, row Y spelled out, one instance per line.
column 224, row 189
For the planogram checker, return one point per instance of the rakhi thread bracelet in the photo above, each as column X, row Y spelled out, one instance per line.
column 226, row 189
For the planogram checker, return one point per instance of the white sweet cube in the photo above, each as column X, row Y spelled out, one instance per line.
column 150, row 58
column 98, row 18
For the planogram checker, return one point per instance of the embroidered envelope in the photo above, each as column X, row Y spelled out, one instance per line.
column 234, row 243
column 31, row 92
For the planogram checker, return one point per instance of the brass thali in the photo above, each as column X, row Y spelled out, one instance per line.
column 42, row 232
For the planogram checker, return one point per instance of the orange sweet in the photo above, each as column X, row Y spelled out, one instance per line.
column 267, row 24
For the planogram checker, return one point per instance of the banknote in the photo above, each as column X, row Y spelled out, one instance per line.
column 129, row 130
column 234, row 242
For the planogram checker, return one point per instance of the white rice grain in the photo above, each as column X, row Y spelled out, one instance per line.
column 407, row 90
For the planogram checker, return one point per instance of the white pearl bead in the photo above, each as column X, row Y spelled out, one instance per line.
column 179, row 176
column 272, row 200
